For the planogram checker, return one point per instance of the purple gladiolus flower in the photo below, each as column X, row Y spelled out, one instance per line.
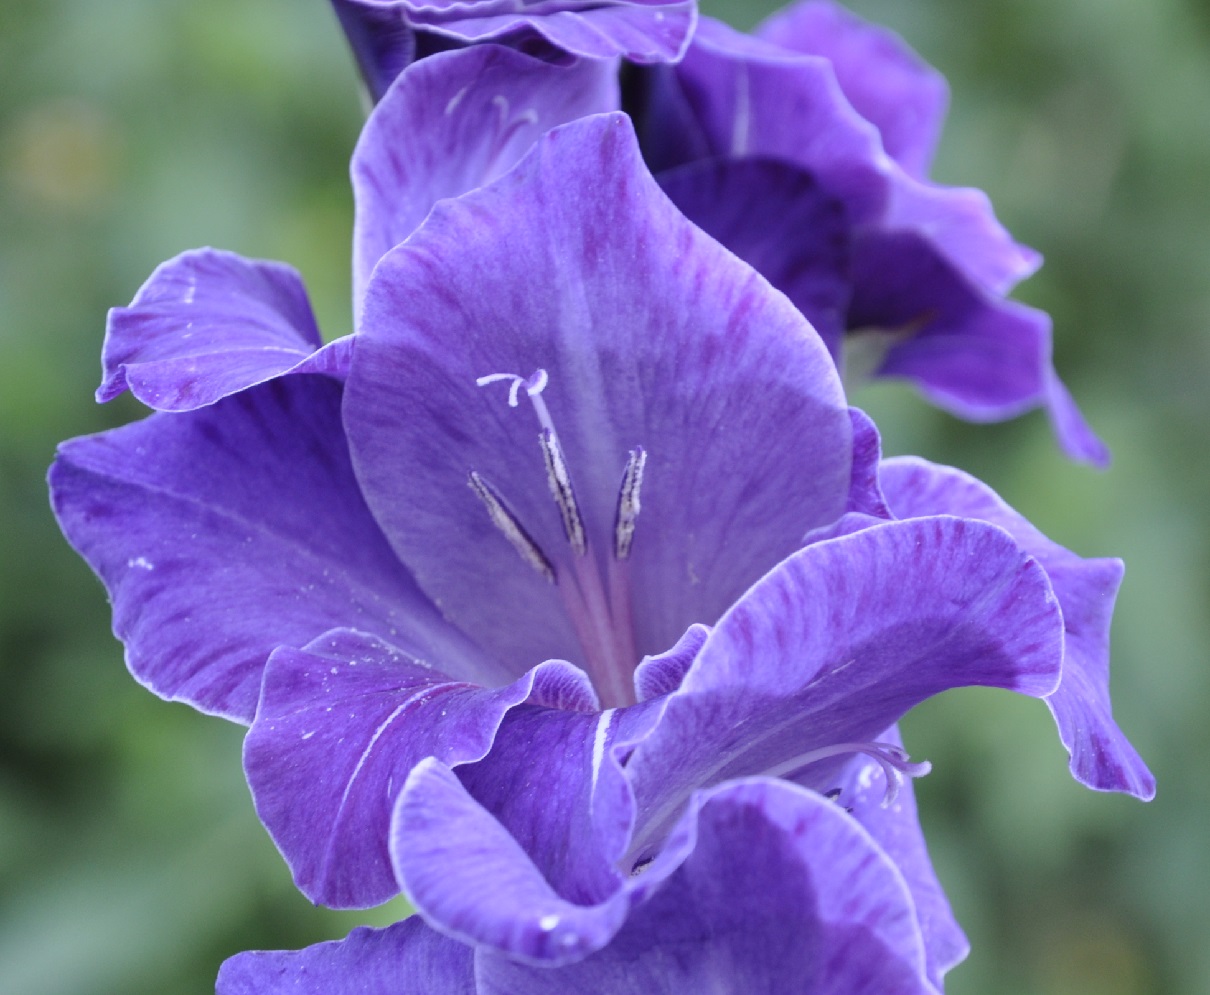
column 387, row 35
column 460, row 576
column 805, row 150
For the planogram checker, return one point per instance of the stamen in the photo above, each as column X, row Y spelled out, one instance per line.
column 891, row 758
column 507, row 523
column 561, row 490
column 629, row 505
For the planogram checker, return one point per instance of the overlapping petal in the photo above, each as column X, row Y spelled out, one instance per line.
column 339, row 726
column 777, row 219
column 885, row 81
column 225, row 532
column 207, row 324
column 455, row 122
column 776, row 891
column 979, row 356
column 739, row 96
column 823, row 97
column 386, row 35
column 768, row 889
column 758, row 883
column 825, row 652
column 837, row 643
column 1101, row 755
column 652, row 335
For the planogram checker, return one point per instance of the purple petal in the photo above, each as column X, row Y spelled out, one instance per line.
column 339, row 727
column 225, row 532
column 885, row 81
column 652, row 335
column 1075, row 436
column 207, row 324
column 662, row 673
column 638, row 30
column 836, row 644
column 1101, row 756
column 470, row 877
column 982, row 358
column 452, row 123
column 896, row 829
column 573, row 814
column 748, row 98
column 554, row 783
column 382, row 43
column 764, row 888
column 865, row 494
column 405, row 959
column 776, row 219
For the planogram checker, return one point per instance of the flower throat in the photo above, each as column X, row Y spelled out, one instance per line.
column 597, row 601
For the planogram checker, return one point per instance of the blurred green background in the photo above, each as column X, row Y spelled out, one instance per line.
column 130, row 858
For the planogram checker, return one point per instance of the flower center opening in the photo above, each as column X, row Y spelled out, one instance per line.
column 596, row 595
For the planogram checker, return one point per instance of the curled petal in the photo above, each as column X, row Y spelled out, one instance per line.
column 739, row 96
column 207, row 324
column 662, row 673
column 340, row 725
column 1101, row 755
column 981, row 357
column 838, row 642
column 886, row 82
column 471, row 879
column 865, row 494
column 387, row 34
column 762, row 887
column 896, row 829
column 776, row 891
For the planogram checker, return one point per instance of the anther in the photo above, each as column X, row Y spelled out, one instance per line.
column 629, row 505
column 507, row 523
column 561, row 490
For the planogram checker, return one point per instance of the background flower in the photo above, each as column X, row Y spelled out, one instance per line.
column 123, row 873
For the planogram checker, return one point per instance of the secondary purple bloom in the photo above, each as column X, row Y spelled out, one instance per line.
column 778, row 891
column 822, row 115
column 387, row 35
